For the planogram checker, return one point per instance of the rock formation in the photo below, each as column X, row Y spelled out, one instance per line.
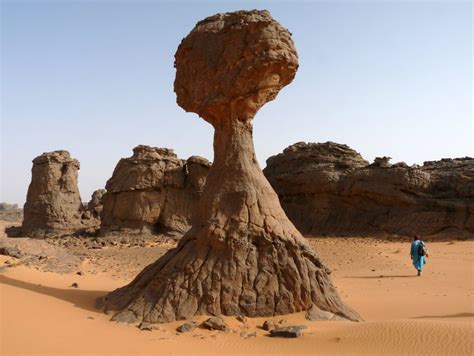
column 10, row 212
column 53, row 204
column 95, row 205
column 153, row 191
column 242, row 255
column 329, row 189
column 91, row 212
column 8, row 207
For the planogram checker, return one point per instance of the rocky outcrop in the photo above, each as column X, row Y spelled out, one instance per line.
column 91, row 212
column 153, row 190
column 242, row 255
column 329, row 189
column 53, row 204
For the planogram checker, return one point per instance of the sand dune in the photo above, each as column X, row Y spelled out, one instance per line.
column 405, row 315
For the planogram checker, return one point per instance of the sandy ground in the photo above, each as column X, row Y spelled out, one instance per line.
column 404, row 314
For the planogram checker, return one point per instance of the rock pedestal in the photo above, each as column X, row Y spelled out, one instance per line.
column 242, row 255
column 53, row 204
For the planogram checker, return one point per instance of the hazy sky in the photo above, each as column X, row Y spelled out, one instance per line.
column 96, row 78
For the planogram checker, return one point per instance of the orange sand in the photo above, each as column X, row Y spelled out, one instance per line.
column 430, row 315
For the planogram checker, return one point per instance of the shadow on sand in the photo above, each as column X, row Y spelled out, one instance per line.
column 383, row 276
column 84, row 299
column 458, row 315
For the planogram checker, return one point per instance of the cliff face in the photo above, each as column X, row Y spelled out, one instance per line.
column 153, row 190
column 329, row 188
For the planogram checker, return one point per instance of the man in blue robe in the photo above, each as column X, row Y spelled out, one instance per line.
column 418, row 259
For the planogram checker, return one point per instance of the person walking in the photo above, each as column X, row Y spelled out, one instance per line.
column 418, row 253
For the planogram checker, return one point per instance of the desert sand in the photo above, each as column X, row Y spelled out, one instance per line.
column 404, row 314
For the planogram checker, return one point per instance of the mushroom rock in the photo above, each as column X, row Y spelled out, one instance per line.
column 242, row 255
column 53, row 203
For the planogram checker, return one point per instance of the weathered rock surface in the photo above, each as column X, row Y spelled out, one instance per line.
column 153, row 191
column 329, row 189
column 53, row 204
column 242, row 255
column 315, row 314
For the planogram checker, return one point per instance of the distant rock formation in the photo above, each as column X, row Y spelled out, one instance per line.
column 53, row 204
column 91, row 211
column 10, row 212
column 328, row 188
column 8, row 207
column 153, row 191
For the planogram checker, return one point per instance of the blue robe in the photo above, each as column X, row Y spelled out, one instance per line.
column 418, row 261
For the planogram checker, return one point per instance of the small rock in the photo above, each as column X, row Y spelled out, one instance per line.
column 74, row 285
column 215, row 323
column 79, row 273
column 145, row 326
column 186, row 327
column 246, row 335
column 90, row 317
column 288, row 331
column 241, row 318
column 269, row 325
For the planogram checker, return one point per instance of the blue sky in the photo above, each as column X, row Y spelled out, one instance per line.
column 96, row 78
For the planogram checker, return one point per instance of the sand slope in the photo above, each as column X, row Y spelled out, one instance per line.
column 405, row 315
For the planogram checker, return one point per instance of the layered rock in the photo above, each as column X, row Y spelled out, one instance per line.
column 328, row 188
column 153, row 190
column 53, row 204
column 242, row 255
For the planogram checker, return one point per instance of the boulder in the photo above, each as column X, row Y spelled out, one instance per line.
column 53, row 203
column 329, row 189
column 215, row 323
column 288, row 331
column 189, row 326
column 153, row 191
